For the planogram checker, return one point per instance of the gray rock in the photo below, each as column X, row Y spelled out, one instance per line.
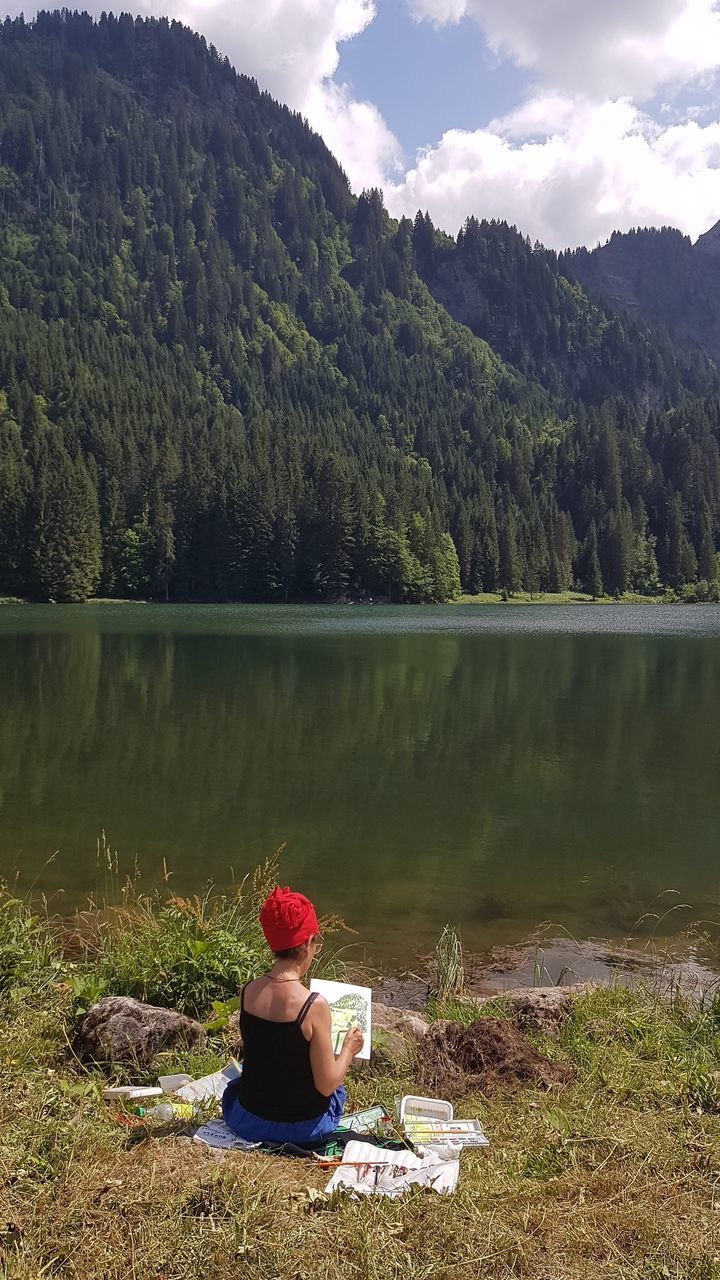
column 402, row 1029
column 121, row 1030
column 533, row 1008
column 542, row 1008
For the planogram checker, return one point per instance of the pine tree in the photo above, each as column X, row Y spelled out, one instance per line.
column 617, row 546
column 644, row 573
column 15, row 482
column 678, row 558
column 446, row 570
column 67, row 546
column 332, row 534
column 510, row 565
column 135, row 562
column 707, row 559
column 162, row 542
column 592, row 581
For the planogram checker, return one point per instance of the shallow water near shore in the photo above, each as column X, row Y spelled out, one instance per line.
column 487, row 766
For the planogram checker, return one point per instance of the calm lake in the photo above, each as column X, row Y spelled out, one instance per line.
column 492, row 766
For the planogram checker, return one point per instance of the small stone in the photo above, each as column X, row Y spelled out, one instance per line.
column 121, row 1030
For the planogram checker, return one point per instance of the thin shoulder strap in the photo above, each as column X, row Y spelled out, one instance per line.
column 304, row 1011
column 242, row 997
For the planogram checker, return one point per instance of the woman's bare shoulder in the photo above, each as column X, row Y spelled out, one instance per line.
column 255, row 984
column 319, row 1005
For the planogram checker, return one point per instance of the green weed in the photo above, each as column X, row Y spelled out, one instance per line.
column 449, row 964
column 29, row 957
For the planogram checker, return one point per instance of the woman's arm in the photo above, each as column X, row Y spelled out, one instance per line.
column 329, row 1071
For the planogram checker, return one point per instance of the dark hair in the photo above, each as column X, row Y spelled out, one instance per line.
column 290, row 953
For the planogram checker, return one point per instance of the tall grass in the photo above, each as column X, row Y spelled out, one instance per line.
column 449, row 964
column 29, row 955
column 186, row 953
column 179, row 952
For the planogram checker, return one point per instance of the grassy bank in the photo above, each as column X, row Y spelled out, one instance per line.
column 614, row 1176
column 564, row 597
column 691, row 593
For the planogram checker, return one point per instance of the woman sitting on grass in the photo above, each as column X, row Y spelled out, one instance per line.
column 291, row 1087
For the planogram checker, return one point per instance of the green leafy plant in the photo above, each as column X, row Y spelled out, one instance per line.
column 703, row 1093
column 380, row 1040
column 87, row 989
column 182, row 953
column 222, row 1012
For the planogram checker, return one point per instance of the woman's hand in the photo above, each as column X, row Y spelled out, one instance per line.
column 353, row 1042
column 329, row 1071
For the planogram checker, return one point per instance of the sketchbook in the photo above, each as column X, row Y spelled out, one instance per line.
column 350, row 1006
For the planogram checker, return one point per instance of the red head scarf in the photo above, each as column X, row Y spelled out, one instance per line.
column 287, row 919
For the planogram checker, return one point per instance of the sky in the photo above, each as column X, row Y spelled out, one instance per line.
column 569, row 118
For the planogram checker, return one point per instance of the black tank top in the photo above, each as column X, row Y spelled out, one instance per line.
column 276, row 1081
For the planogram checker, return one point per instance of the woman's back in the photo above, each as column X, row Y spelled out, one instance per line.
column 277, row 1080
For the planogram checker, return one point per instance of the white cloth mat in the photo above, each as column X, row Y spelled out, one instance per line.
column 374, row 1171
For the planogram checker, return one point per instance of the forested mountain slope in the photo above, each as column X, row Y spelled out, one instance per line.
column 518, row 299
column 660, row 277
column 225, row 377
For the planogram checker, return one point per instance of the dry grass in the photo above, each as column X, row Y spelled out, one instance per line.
column 615, row 1176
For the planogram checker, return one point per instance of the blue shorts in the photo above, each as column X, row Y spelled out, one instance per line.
column 254, row 1129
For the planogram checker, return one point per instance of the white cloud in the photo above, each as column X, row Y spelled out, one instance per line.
column 290, row 46
column 439, row 12
column 607, row 167
column 356, row 133
column 579, row 158
column 613, row 48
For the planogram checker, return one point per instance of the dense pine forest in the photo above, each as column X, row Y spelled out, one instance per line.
column 225, row 377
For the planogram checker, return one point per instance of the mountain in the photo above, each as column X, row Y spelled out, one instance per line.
column 660, row 277
column 517, row 298
column 224, row 376
column 709, row 241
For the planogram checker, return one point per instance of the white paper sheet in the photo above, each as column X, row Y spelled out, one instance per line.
column 208, row 1088
column 216, row 1134
column 349, row 1006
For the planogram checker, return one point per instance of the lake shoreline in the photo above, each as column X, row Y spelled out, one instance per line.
column 493, row 598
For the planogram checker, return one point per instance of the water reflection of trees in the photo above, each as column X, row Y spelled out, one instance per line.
column 521, row 776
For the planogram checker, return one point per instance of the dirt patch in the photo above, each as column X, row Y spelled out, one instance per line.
column 486, row 1056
